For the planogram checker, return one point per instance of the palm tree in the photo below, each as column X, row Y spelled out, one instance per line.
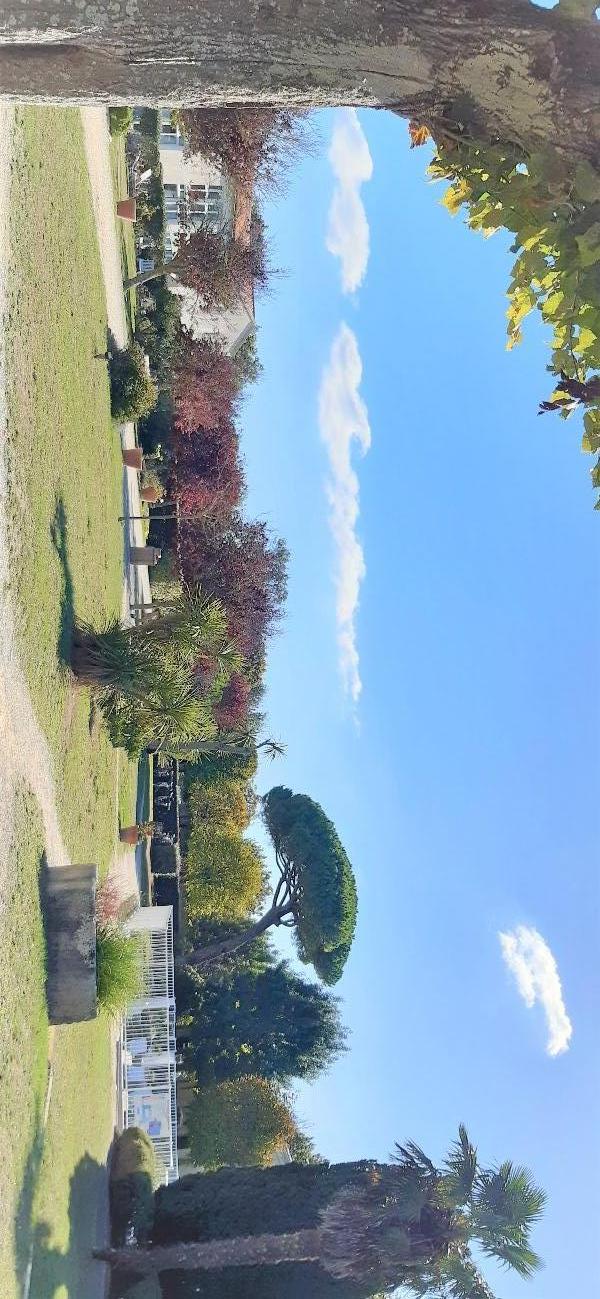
column 412, row 1224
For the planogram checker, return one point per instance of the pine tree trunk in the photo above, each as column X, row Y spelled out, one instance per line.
column 503, row 67
column 215, row 951
column 246, row 1251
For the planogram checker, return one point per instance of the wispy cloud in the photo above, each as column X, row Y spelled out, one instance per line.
column 348, row 228
column 344, row 422
column 529, row 958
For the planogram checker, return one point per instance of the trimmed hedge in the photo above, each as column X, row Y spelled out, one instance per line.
column 127, row 1286
column 247, row 1201
column 285, row 1281
column 147, row 1288
column 133, row 1177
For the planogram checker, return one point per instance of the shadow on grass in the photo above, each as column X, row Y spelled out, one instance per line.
column 58, row 533
column 75, row 1269
column 25, row 1205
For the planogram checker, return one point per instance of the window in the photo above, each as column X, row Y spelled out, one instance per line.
column 169, row 134
column 205, row 200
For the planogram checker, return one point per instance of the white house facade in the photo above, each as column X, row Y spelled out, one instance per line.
column 196, row 191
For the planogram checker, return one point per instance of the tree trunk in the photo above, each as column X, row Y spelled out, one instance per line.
column 210, row 748
column 504, row 68
column 167, row 268
column 245, row 1251
column 213, row 951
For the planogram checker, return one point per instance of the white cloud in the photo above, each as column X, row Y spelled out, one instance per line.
column 344, row 422
column 348, row 228
column 529, row 958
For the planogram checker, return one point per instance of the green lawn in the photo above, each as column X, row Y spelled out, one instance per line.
column 23, row 1041
column 125, row 228
column 66, row 560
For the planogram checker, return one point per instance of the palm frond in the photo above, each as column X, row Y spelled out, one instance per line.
column 462, row 1279
column 507, row 1195
column 461, row 1166
column 511, row 1254
column 411, row 1156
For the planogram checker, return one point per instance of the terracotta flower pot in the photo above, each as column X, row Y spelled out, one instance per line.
column 126, row 209
column 129, row 834
column 151, row 494
column 133, row 457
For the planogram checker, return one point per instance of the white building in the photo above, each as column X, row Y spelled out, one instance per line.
column 196, row 192
column 147, row 1067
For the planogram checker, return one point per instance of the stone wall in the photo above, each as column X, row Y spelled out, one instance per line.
column 70, row 922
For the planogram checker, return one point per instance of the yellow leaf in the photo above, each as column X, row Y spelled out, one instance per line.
column 418, row 134
column 455, row 197
column 586, row 339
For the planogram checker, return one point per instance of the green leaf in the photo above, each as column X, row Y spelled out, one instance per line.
column 587, row 182
column 589, row 245
column 591, row 435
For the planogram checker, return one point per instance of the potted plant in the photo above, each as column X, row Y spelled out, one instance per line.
column 133, row 834
column 133, row 457
column 151, row 489
column 126, row 209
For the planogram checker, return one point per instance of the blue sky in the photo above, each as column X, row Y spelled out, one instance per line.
column 463, row 777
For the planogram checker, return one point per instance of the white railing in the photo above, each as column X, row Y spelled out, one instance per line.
column 147, row 1055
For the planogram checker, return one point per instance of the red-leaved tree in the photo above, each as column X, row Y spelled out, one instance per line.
column 231, row 711
column 250, row 143
column 245, row 567
column 208, row 474
column 203, row 383
column 216, row 267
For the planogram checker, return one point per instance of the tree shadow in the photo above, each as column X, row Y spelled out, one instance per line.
column 75, row 1268
column 58, row 534
column 111, row 349
column 22, row 1224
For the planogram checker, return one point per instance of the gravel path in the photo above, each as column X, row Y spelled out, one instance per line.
column 137, row 582
column 24, row 752
column 97, row 147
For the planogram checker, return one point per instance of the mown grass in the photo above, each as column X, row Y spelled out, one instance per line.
column 66, row 561
column 71, row 1191
column 125, row 228
column 64, row 461
column 23, row 1040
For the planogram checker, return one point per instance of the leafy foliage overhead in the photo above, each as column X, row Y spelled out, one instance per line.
column 552, row 207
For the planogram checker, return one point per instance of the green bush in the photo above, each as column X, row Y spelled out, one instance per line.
column 118, row 969
column 217, row 766
column 132, row 392
column 120, row 120
column 133, row 1179
column 225, row 875
column 243, row 1121
column 149, row 123
column 150, row 217
column 221, row 803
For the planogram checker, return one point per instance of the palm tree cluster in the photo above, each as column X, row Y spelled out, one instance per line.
column 409, row 1225
column 415, row 1224
column 159, row 682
